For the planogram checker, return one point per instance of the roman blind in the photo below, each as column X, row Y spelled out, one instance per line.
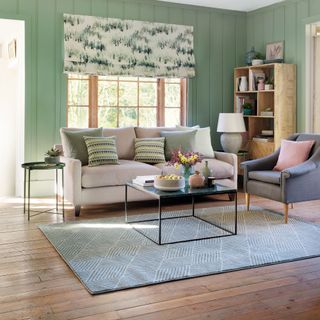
column 106, row 46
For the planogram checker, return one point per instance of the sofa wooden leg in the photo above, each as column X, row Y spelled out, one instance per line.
column 248, row 201
column 77, row 211
column 286, row 212
column 291, row 205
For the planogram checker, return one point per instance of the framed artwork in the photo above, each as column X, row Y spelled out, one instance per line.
column 275, row 52
column 12, row 49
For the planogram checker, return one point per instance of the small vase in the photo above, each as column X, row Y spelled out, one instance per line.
column 206, row 173
column 261, row 85
column 196, row 180
column 243, row 84
column 187, row 171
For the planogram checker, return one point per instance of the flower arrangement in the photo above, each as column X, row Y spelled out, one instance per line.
column 186, row 159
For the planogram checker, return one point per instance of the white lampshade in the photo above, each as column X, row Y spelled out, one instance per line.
column 231, row 122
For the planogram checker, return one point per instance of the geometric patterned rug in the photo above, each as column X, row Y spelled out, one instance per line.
column 109, row 255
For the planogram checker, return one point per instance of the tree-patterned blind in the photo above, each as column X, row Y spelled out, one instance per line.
column 105, row 46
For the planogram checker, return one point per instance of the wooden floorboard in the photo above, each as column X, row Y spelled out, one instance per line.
column 35, row 283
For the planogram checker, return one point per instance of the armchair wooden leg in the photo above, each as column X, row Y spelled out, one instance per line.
column 248, row 201
column 291, row 205
column 286, row 211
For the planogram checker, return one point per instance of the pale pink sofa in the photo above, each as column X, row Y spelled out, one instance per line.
column 105, row 184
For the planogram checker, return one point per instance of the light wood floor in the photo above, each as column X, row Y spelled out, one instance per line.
column 36, row 284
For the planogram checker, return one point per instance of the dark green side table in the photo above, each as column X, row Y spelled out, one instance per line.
column 32, row 166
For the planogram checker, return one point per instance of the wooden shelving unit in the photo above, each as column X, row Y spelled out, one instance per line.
column 281, row 100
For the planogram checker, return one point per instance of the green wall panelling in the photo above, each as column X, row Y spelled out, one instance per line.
column 278, row 31
column 288, row 25
column 46, row 83
column 228, row 61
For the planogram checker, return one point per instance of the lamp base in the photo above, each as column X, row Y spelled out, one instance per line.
column 231, row 142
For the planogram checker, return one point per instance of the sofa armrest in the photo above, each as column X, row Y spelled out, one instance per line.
column 299, row 170
column 265, row 163
column 227, row 157
column 231, row 159
column 72, row 180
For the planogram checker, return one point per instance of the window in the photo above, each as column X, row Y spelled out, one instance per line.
column 125, row 101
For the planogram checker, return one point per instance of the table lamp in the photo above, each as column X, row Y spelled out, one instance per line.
column 231, row 125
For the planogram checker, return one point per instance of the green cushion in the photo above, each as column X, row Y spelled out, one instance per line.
column 183, row 140
column 101, row 150
column 149, row 150
column 203, row 143
column 74, row 145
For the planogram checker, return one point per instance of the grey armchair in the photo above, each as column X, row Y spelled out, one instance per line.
column 295, row 184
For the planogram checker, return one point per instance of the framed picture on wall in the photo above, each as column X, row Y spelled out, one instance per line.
column 12, row 49
column 275, row 52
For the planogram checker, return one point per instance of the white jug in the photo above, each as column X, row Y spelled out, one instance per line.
column 243, row 84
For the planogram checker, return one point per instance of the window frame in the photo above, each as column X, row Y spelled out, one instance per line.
column 93, row 100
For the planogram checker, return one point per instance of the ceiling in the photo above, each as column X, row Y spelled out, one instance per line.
column 240, row 5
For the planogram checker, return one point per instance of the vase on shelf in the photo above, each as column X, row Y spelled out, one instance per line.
column 243, row 84
column 187, row 171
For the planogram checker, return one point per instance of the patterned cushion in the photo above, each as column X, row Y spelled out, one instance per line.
column 149, row 150
column 101, row 150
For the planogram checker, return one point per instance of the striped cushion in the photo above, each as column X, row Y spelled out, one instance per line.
column 149, row 150
column 101, row 150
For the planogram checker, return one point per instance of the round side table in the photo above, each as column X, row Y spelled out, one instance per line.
column 32, row 166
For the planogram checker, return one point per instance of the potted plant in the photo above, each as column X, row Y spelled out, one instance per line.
column 52, row 156
column 247, row 108
column 268, row 84
column 258, row 59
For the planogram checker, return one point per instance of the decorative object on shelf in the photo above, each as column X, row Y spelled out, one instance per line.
column 186, row 160
column 206, row 173
column 170, row 182
column 268, row 83
column 231, row 125
column 196, row 180
column 247, row 109
column 250, row 55
column 243, row 86
column 267, row 112
column 52, row 156
column 275, row 52
column 258, row 59
column 261, row 85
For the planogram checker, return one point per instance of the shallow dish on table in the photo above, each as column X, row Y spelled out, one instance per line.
column 169, row 182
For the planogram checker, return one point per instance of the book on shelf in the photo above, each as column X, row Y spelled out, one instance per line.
column 263, row 138
column 144, row 181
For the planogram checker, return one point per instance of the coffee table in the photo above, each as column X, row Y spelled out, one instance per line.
column 176, row 196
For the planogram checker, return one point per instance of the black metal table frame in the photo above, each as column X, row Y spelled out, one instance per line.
column 26, row 191
column 160, row 218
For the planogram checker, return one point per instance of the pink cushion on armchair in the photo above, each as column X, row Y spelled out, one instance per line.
column 293, row 153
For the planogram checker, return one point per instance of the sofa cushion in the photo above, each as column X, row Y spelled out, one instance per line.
column 267, row 176
column 151, row 132
column 124, row 141
column 73, row 142
column 106, row 175
column 183, row 140
column 203, row 143
column 219, row 169
column 149, row 150
column 101, row 150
